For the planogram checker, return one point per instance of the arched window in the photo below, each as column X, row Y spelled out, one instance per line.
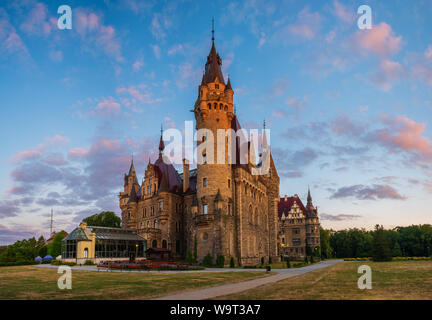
column 226, row 108
column 164, row 244
column 221, row 106
column 209, row 105
column 215, row 106
column 154, row 244
column 85, row 253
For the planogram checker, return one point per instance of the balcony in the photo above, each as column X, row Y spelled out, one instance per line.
column 204, row 218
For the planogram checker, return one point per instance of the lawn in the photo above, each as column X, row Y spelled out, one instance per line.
column 29, row 282
column 390, row 280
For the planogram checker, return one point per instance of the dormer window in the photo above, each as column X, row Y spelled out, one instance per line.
column 216, row 86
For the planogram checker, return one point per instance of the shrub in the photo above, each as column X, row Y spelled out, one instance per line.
column 232, row 262
column 306, row 260
column 207, row 261
column 270, row 260
column 312, row 259
column 189, row 257
column 89, row 263
column 220, row 261
column 262, row 260
column 288, row 262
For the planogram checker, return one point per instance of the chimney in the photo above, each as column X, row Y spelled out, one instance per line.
column 185, row 175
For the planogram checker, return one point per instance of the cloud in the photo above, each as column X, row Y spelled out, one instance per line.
column 95, row 34
column 373, row 192
column 137, row 65
column 380, row 40
column 292, row 163
column 344, row 125
column 338, row 217
column 108, row 107
column 428, row 52
column 296, row 103
column 159, row 24
column 388, row 72
column 10, row 42
column 280, row 86
column 156, row 50
column 27, row 154
column 307, row 26
column 38, row 22
column 343, row 13
column 403, row 133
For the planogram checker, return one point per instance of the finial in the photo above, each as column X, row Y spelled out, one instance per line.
column 264, row 124
column 213, row 29
column 161, row 129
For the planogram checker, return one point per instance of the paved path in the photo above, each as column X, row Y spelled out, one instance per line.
column 226, row 289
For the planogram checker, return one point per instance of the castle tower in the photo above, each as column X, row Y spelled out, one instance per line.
column 213, row 110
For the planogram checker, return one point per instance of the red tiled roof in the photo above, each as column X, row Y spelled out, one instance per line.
column 285, row 206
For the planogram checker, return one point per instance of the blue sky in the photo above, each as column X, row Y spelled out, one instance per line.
column 349, row 110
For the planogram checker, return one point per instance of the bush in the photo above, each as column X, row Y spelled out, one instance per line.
column 17, row 263
column 262, row 260
column 306, row 260
column 89, row 263
column 270, row 260
column 232, row 262
column 207, row 261
column 220, row 261
column 189, row 257
column 312, row 259
column 288, row 262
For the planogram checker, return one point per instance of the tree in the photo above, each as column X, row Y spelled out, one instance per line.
column 104, row 219
column 232, row 262
column 397, row 252
column 54, row 248
column 220, row 261
column 288, row 262
column 381, row 246
column 207, row 261
column 195, row 253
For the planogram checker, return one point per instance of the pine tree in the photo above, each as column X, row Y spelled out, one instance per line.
column 397, row 252
column 381, row 247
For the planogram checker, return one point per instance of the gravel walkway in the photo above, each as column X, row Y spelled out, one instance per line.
column 226, row 289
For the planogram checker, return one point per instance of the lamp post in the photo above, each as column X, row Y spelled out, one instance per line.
column 136, row 251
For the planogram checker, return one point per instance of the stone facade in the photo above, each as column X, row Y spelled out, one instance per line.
column 216, row 209
column 299, row 227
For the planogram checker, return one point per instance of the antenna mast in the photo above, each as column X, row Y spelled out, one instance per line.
column 51, row 224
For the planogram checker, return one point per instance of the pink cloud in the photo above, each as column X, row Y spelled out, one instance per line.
column 342, row 12
column 344, row 125
column 138, row 64
column 380, row 40
column 428, row 52
column 77, row 152
column 108, row 107
column 10, row 41
column 406, row 134
column 389, row 71
column 91, row 29
column 28, row 154
column 37, row 21
column 307, row 25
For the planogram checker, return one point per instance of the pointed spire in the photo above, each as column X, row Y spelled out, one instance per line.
column 228, row 86
column 133, row 197
column 309, row 200
column 213, row 64
column 213, row 30
column 161, row 143
column 132, row 168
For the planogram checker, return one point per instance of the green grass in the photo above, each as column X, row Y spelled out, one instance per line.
column 29, row 282
column 390, row 280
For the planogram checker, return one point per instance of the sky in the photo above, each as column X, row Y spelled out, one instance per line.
column 349, row 110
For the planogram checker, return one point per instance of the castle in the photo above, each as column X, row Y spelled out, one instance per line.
column 217, row 209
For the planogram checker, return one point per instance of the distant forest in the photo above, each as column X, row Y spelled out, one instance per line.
column 412, row 241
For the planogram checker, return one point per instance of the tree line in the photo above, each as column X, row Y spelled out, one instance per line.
column 411, row 241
